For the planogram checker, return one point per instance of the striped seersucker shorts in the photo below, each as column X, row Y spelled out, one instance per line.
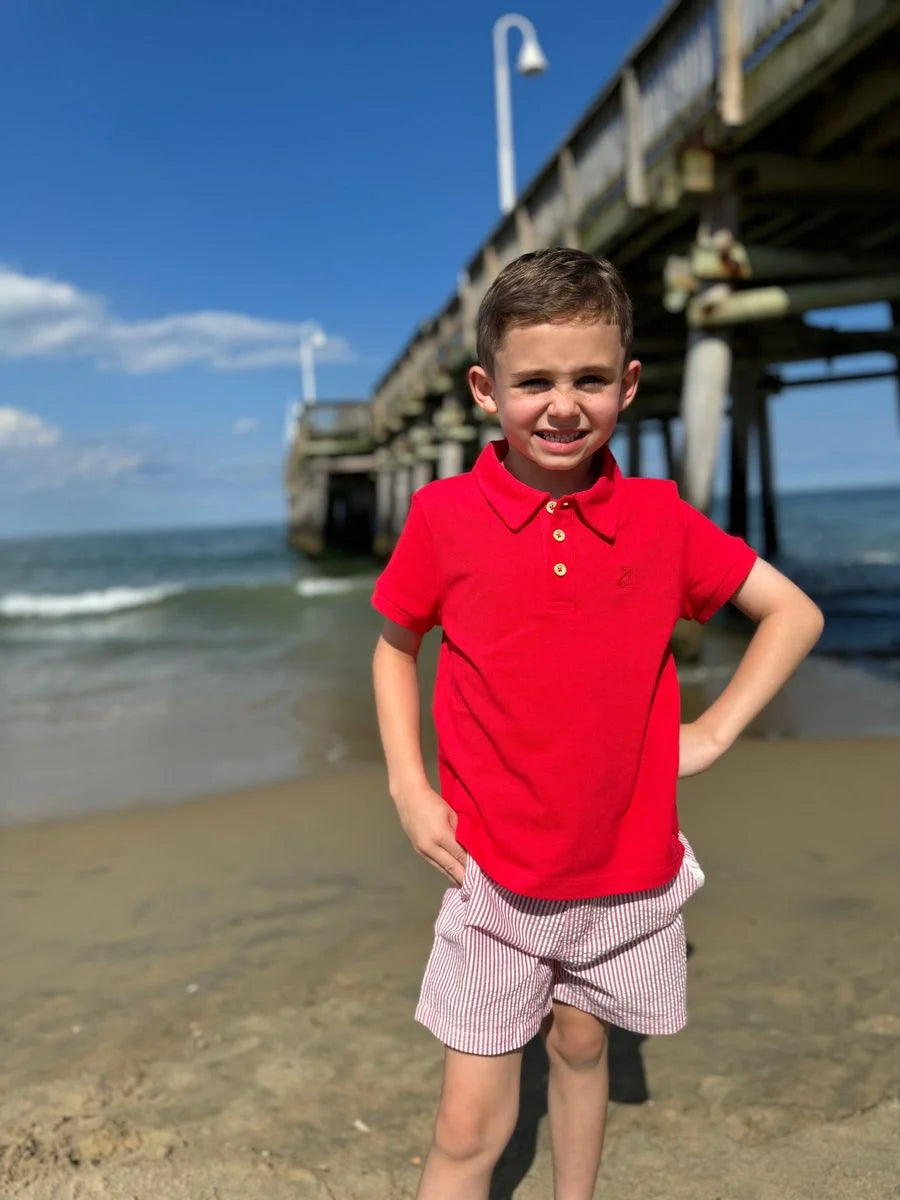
column 499, row 960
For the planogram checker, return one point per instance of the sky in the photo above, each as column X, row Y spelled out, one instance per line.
column 191, row 187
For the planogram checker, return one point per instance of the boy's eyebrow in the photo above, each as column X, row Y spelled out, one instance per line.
column 538, row 372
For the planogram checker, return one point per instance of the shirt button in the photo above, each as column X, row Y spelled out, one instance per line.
column 559, row 535
column 565, row 504
column 560, row 569
column 551, row 506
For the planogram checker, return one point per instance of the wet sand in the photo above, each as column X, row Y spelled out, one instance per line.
column 214, row 1000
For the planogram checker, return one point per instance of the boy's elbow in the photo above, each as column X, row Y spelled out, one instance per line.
column 817, row 619
column 810, row 620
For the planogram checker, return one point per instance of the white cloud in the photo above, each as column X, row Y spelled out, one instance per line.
column 265, row 469
column 36, row 457
column 103, row 462
column 66, row 466
column 25, row 431
column 245, row 425
column 41, row 317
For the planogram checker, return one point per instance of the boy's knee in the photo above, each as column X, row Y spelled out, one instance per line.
column 579, row 1043
column 468, row 1133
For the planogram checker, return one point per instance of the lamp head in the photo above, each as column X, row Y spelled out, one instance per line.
column 316, row 340
column 531, row 59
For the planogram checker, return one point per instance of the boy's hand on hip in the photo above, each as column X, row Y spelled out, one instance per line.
column 697, row 749
column 430, row 825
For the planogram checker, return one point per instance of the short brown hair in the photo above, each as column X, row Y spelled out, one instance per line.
column 552, row 285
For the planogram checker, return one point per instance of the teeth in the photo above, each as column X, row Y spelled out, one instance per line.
column 560, row 437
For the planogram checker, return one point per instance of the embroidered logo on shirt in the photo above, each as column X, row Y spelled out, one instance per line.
column 626, row 577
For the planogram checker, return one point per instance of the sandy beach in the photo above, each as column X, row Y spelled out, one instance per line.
column 214, row 1000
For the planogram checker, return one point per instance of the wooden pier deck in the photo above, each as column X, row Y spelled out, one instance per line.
column 741, row 168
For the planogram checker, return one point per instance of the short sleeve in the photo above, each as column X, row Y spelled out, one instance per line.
column 408, row 591
column 714, row 565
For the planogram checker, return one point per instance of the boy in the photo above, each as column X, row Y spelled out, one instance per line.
column 558, row 584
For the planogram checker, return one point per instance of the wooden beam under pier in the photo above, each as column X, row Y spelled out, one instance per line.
column 753, row 261
column 780, row 384
column 753, row 175
column 720, row 308
column 731, row 70
column 878, row 91
column 635, row 171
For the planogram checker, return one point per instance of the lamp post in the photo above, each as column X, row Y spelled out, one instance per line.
column 312, row 340
column 531, row 61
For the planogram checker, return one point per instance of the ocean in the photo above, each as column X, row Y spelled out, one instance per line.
column 150, row 666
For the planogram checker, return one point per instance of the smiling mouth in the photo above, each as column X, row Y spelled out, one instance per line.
column 552, row 435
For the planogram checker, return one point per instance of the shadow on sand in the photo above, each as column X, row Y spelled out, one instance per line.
column 627, row 1085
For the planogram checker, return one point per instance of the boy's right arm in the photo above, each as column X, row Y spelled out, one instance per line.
column 427, row 821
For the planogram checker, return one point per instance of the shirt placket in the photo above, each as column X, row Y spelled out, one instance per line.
column 560, row 526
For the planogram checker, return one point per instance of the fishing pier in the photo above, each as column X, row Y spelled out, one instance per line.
column 741, row 169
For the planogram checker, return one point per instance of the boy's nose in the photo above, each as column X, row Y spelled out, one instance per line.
column 562, row 403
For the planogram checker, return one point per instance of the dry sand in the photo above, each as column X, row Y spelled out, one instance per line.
column 214, row 1001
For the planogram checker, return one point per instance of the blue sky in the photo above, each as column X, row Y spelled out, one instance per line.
column 187, row 185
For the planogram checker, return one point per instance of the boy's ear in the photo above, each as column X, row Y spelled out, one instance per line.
column 629, row 385
column 482, row 388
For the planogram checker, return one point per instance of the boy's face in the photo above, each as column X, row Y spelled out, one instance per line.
column 558, row 390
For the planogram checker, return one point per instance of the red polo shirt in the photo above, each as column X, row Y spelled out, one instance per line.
column 557, row 703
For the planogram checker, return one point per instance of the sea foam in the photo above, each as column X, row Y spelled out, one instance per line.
column 332, row 587
column 85, row 604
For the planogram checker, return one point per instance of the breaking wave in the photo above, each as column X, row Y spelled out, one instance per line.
column 332, row 587
column 84, row 604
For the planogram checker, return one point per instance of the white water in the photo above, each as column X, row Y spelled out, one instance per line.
column 84, row 604
column 333, row 587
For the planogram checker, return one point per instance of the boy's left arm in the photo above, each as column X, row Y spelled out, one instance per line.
column 789, row 625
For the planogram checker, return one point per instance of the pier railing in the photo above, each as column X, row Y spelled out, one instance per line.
column 691, row 64
column 334, row 427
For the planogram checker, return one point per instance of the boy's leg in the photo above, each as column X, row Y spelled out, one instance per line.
column 577, row 1098
column 476, row 1117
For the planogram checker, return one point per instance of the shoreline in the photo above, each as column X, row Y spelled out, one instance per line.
column 212, row 752
column 214, row 998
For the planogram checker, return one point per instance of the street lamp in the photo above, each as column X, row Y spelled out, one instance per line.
column 313, row 339
column 531, row 61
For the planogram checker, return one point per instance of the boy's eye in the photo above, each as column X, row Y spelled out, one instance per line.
column 538, row 384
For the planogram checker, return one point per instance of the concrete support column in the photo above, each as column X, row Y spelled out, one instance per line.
column 895, row 321
column 402, row 492
column 634, row 447
column 384, row 504
column 488, row 432
column 665, row 428
column 318, row 508
column 309, row 511
column 422, row 473
column 450, row 458
column 707, row 368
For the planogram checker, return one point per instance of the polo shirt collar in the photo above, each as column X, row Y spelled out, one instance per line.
column 516, row 503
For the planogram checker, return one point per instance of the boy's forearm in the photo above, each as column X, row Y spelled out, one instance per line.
column 781, row 641
column 396, row 683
